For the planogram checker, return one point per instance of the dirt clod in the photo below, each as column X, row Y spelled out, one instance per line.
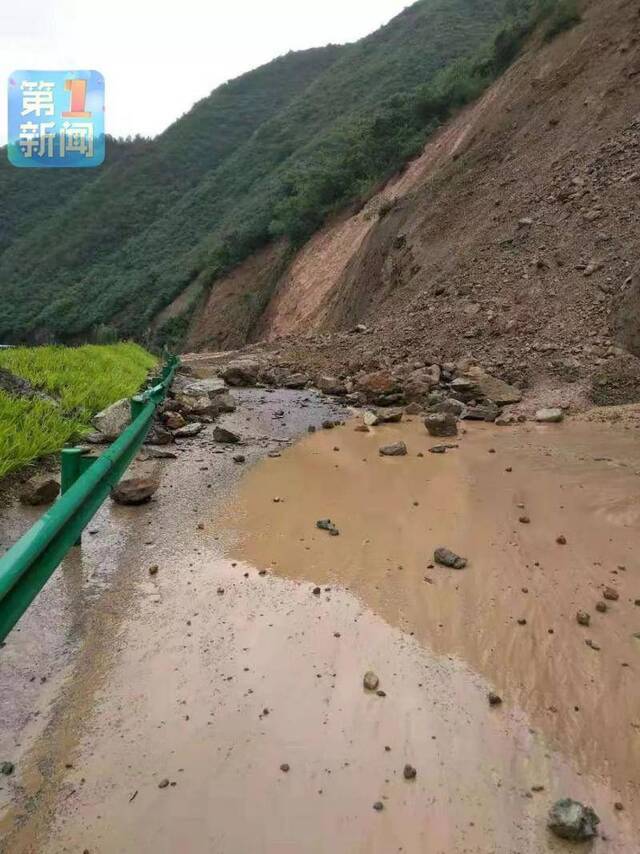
column 445, row 557
column 370, row 681
column 327, row 525
column 398, row 449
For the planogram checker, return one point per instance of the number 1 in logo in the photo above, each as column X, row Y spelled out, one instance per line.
column 78, row 89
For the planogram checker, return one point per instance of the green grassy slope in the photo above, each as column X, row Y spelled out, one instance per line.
column 82, row 380
column 267, row 155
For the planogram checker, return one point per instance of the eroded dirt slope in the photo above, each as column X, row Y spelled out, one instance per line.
column 512, row 239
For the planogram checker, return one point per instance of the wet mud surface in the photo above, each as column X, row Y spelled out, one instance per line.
column 218, row 705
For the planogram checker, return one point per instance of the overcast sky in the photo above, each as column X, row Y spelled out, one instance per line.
column 159, row 57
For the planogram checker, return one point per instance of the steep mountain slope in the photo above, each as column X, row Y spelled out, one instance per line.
column 511, row 240
column 266, row 156
column 65, row 222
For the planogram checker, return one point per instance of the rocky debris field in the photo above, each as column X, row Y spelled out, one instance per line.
column 446, row 393
column 511, row 240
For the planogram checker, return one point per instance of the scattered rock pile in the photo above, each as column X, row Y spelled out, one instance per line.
column 446, row 392
column 190, row 405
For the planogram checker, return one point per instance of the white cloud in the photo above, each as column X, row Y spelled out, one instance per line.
column 159, row 58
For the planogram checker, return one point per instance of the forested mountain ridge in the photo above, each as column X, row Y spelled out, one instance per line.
column 56, row 224
column 265, row 156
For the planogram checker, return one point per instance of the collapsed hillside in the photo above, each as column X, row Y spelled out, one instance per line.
column 513, row 239
column 266, row 157
column 509, row 239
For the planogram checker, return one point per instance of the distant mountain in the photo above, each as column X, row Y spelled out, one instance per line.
column 265, row 156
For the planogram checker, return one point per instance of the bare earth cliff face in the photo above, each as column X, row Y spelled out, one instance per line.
column 513, row 239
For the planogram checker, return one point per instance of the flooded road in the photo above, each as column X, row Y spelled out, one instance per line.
column 219, row 706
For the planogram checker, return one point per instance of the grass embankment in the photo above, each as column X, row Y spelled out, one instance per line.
column 82, row 380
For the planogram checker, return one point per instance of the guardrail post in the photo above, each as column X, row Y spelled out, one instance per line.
column 69, row 467
column 137, row 405
column 70, row 471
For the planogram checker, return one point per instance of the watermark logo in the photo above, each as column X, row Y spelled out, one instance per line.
column 56, row 119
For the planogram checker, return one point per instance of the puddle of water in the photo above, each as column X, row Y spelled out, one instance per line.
column 392, row 514
column 268, row 674
column 212, row 680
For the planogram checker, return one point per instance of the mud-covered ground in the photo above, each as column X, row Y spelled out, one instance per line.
column 218, row 705
column 62, row 652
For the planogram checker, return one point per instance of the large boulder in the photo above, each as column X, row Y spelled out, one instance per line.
column 95, row 438
column 414, row 408
column 491, row 388
column 204, row 404
column 224, row 403
column 331, row 385
column 436, row 396
column 434, row 374
column 113, row 420
column 173, row 420
column 449, row 406
column 40, row 489
column 441, row 424
column 211, row 387
column 189, row 431
column 296, row 381
column 378, row 385
column 226, row 437
column 158, row 435
column 422, row 381
column 390, row 415
column 135, row 490
column 242, row 372
column 554, row 415
column 194, row 404
column 464, row 389
column 487, row 411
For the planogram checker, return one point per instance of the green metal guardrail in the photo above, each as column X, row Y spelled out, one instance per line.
column 85, row 484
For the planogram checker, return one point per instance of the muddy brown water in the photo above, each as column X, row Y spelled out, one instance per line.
column 212, row 676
